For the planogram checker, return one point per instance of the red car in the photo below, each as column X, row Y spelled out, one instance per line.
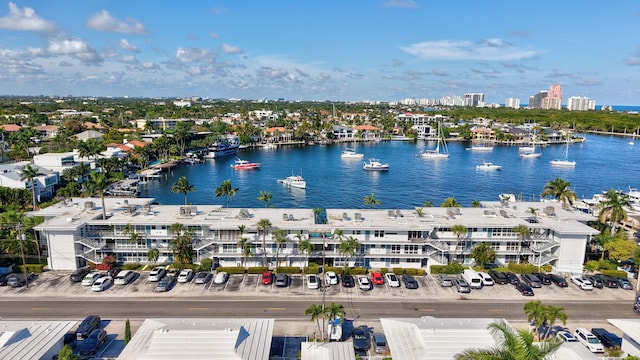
column 267, row 278
column 376, row 278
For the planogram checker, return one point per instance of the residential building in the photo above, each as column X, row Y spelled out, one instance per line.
column 10, row 175
column 535, row 101
column 513, row 103
column 22, row 339
column 474, row 99
column 343, row 132
column 554, row 98
column 56, row 161
column 75, row 234
column 576, row 103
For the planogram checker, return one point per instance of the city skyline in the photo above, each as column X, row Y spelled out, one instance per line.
column 378, row 51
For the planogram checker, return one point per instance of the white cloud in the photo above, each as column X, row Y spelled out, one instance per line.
column 25, row 19
column 633, row 61
column 125, row 44
column 488, row 50
column 105, row 22
column 186, row 55
column 230, row 49
column 75, row 48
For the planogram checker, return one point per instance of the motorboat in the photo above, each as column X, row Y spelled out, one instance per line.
column 241, row 164
column 223, row 146
column 270, row 146
column 486, row 165
column 375, row 165
column 350, row 153
column 294, row 181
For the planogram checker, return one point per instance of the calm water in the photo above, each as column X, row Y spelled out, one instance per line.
column 603, row 162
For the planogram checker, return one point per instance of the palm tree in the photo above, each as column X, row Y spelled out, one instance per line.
column 335, row 310
column 182, row 243
column 29, row 173
column 419, row 211
column 265, row 196
column 317, row 312
column 613, row 207
column 316, row 214
column 153, row 255
column 523, row 231
column 98, row 183
column 90, row 148
column 134, row 237
column 225, row 189
column 428, row 203
column 554, row 313
column 348, row 248
column 536, row 312
column 483, row 254
column 245, row 249
column 511, row 345
column 280, row 237
column 264, row 225
column 183, row 187
column 370, row 200
column 306, row 246
column 450, row 202
column 458, row 230
column 534, row 212
column 476, row 204
column 560, row 190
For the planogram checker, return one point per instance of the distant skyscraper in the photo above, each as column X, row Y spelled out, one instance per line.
column 554, row 98
column 474, row 99
column 512, row 103
column 576, row 103
column 535, row 101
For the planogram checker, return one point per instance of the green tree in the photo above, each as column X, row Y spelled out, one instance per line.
column 182, row 186
column 536, row 313
column 98, row 183
column 225, row 189
column 511, row 345
column 523, row 231
column 280, row 237
column 613, row 208
column 348, row 249
column 334, row 311
column 66, row 353
column 316, row 214
column 419, row 211
column 90, row 148
column 459, row 231
column 554, row 313
column 306, row 246
column 450, row 202
column 317, row 313
column 428, row 203
column 181, row 243
column 265, row 197
column 264, row 225
column 30, row 173
column 127, row 332
column 476, row 204
column 620, row 249
column 153, row 255
column 534, row 212
column 483, row 254
column 560, row 190
column 370, row 200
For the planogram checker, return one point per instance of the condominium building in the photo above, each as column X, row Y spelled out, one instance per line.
column 554, row 98
column 535, row 101
column 474, row 99
column 513, row 103
column 576, row 103
column 75, row 233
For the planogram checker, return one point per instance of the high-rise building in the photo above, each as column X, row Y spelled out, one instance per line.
column 576, row 103
column 535, row 101
column 474, row 99
column 512, row 103
column 554, row 98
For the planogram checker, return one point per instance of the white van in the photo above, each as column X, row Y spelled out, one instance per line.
column 473, row 278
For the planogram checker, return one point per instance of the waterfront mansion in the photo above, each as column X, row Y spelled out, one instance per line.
column 74, row 234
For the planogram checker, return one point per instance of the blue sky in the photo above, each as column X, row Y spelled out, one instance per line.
column 321, row 50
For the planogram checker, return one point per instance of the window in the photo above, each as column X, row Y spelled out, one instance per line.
column 495, row 245
column 513, row 246
column 411, row 249
column 395, row 249
column 229, row 248
column 414, row 234
column 395, row 261
column 378, row 233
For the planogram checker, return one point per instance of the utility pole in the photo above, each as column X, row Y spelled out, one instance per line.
column 21, row 238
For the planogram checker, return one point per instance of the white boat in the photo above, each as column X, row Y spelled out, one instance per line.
column 224, row 146
column 480, row 147
column 526, row 148
column 350, row 153
column 294, row 181
column 437, row 153
column 241, row 164
column 269, row 146
column 488, row 166
column 375, row 165
column 564, row 162
column 530, row 154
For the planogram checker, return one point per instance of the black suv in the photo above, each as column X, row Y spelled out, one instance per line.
column 513, row 278
column 559, row 280
column 545, row 278
column 348, row 281
column 608, row 281
column 87, row 325
column 595, row 281
column 499, row 277
column 79, row 274
column 92, row 344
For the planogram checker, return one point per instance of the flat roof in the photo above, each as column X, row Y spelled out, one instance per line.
column 630, row 327
column 341, row 350
column 204, row 338
column 31, row 339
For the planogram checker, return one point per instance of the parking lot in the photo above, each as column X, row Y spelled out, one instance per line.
column 57, row 283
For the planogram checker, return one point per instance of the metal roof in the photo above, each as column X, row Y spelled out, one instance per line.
column 32, row 339
column 220, row 339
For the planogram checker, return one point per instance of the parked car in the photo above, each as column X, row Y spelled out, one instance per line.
column 624, row 283
column 531, row 280
column 203, row 277
column 79, row 274
column 361, row 339
column 348, row 281
column 377, row 278
column 589, row 340
column 4, row 278
column 566, row 336
column 87, row 325
column 157, row 273
column 70, row 339
column 409, row 282
column 91, row 277
column 125, row 277
column 582, row 283
column 607, row 338
column 445, row 280
column 487, row 280
column 266, row 278
column 608, row 281
column 379, row 343
column 282, row 280
column 113, row 272
column 392, row 279
column 313, row 282
column 364, row 283
column 513, row 278
column 186, row 275
column 166, row 283
column 19, row 280
column 90, row 346
column 595, row 281
column 461, row 285
column 544, row 278
column 559, row 280
column 524, row 289
column 221, row 277
column 331, row 278
column 102, row 283
column 499, row 277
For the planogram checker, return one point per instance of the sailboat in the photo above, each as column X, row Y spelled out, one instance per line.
column 530, row 154
column 436, row 153
column 564, row 162
column 633, row 139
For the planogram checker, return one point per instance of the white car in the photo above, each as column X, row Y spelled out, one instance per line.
column 102, row 284
column 313, row 282
column 331, row 278
column 90, row 278
column 125, row 277
column 185, row 276
column 392, row 279
column 487, row 280
column 364, row 283
column 583, row 284
column 221, row 277
column 589, row 340
column 157, row 273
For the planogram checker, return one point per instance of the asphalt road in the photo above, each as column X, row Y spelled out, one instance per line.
column 140, row 308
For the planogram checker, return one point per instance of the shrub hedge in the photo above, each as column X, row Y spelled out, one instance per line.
column 453, row 268
column 257, row 269
column 616, row 273
column 231, row 269
column 35, row 268
column 288, row 270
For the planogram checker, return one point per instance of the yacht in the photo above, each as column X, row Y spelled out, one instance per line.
column 350, row 153
column 241, row 164
column 224, row 146
column 375, row 165
column 294, row 181
column 488, row 166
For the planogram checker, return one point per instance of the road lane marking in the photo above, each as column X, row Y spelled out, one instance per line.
column 194, row 308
